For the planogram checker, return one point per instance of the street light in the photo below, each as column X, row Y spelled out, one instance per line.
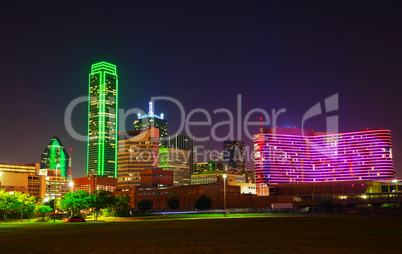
column 55, row 194
column 71, row 184
column 224, row 192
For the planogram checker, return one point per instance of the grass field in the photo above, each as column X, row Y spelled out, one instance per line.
column 344, row 234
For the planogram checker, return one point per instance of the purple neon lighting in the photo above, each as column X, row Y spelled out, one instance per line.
column 293, row 156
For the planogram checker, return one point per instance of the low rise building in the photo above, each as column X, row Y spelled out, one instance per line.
column 56, row 185
column 156, row 177
column 207, row 177
column 94, row 183
column 37, row 186
column 11, row 181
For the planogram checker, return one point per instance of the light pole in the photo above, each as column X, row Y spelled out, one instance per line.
column 395, row 181
column 224, row 192
column 71, row 186
column 55, row 194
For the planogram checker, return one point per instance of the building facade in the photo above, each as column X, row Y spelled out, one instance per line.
column 183, row 142
column 284, row 155
column 208, row 177
column 138, row 150
column 102, row 120
column 30, row 169
column 144, row 122
column 95, row 183
column 156, row 177
column 178, row 161
column 56, row 185
column 233, row 155
column 55, row 155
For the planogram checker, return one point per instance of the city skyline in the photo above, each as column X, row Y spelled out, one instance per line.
column 287, row 67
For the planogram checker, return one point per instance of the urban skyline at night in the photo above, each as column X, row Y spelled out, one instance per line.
column 287, row 60
column 201, row 127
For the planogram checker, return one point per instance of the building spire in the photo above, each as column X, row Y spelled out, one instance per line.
column 150, row 112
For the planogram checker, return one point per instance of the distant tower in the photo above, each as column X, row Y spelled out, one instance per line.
column 233, row 155
column 102, row 120
column 69, row 175
column 149, row 120
column 54, row 155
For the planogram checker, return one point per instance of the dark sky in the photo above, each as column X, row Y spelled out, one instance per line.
column 276, row 54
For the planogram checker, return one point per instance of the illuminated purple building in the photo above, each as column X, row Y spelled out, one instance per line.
column 285, row 155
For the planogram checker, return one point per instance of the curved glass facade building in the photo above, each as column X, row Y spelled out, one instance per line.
column 284, row 155
column 55, row 154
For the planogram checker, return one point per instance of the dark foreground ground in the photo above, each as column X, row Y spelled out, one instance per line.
column 240, row 235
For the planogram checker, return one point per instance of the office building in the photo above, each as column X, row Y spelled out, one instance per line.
column 102, row 120
column 30, row 169
column 138, row 150
column 23, row 178
column 56, row 185
column 284, row 155
column 149, row 120
column 250, row 175
column 94, row 183
column 156, row 177
column 233, row 155
column 207, row 177
column 37, row 186
column 183, row 142
column 55, row 156
column 178, row 161
column 12, row 182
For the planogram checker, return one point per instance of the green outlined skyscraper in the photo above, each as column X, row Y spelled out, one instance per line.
column 55, row 156
column 102, row 120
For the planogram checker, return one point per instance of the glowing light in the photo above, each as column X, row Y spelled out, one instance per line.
column 312, row 156
column 102, row 120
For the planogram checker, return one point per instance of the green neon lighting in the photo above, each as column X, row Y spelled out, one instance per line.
column 57, row 157
column 164, row 158
column 116, row 133
column 102, row 122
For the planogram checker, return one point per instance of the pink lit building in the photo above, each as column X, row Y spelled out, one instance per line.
column 285, row 155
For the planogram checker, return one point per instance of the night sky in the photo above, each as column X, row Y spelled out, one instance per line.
column 276, row 54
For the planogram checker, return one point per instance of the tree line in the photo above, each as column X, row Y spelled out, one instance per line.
column 74, row 203
column 202, row 203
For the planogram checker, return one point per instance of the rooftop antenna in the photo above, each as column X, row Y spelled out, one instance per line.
column 261, row 124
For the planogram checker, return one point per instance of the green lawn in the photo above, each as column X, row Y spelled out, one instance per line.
column 343, row 234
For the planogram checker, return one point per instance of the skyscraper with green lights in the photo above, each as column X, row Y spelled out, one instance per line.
column 55, row 156
column 102, row 120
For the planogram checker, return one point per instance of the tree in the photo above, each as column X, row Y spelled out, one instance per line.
column 173, row 203
column 8, row 203
column 43, row 210
column 74, row 202
column 203, row 202
column 99, row 200
column 122, row 205
column 28, row 203
column 145, row 205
